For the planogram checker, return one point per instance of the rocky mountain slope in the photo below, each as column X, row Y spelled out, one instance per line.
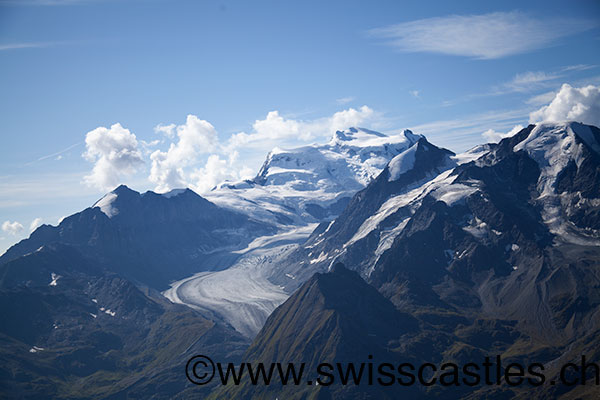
column 334, row 317
column 82, row 315
column 492, row 252
column 71, row 329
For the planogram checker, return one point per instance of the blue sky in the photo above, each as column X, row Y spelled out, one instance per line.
column 192, row 75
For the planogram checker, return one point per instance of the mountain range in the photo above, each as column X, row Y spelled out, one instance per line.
column 446, row 257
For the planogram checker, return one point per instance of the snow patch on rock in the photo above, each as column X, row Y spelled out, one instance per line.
column 402, row 163
column 54, row 279
column 105, row 204
column 35, row 349
column 173, row 193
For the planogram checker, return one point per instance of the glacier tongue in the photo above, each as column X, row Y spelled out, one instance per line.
column 242, row 294
column 294, row 189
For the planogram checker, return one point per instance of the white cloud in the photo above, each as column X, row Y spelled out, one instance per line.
column 168, row 130
column 197, row 160
column 194, row 138
column 114, row 153
column 492, row 136
column 530, row 80
column 35, row 224
column 579, row 67
column 485, row 36
column 342, row 120
column 346, row 100
column 148, row 147
column 415, row 93
column 273, row 127
column 571, row 104
column 276, row 130
column 14, row 228
column 218, row 170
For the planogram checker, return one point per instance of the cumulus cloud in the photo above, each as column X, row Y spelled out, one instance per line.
column 343, row 120
column 194, row 138
column 492, row 136
column 14, row 228
column 217, row 170
column 276, row 130
column 197, row 159
column 35, row 224
column 115, row 154
column 571, row 104
column 485, row 36
column 273, row 127
column 168, row 130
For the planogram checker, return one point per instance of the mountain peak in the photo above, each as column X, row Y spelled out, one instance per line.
column 122, row 189
column 338, row 268
column 107, row 203
column 411, row 137
column 333, row 316
column 123, row 196
column 421, row 154
column 544, row 135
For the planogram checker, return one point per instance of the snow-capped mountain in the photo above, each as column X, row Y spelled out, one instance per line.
column 569, row 183
column 313, row 183
column 496, row 251
column 505, row 236
column 553, row 170
column 157, row 238
column 382, row 209
column 293, row 190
